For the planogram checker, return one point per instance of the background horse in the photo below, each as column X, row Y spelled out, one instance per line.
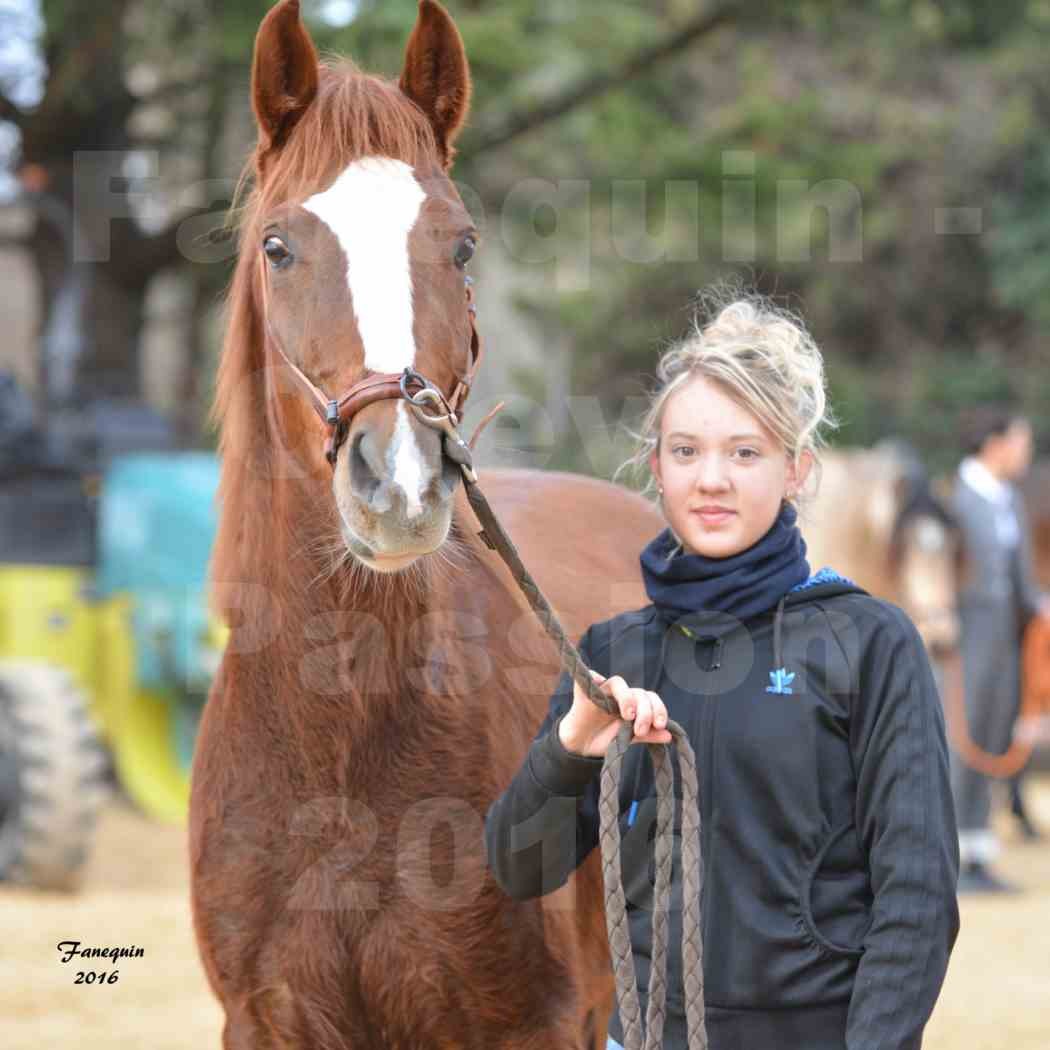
column 877, row 519
column 384, row 676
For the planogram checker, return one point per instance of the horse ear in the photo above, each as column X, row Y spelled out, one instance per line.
column 436, row 75
column 284, row 73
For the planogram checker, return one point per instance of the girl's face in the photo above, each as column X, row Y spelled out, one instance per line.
column 715, row 453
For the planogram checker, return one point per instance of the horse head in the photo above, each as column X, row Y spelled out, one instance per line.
column 926, row 556
column 351, row 276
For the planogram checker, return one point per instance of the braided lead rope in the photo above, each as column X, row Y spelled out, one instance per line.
column 496, row 538
column 616, row 905
column 692, row 879
column 692, row 885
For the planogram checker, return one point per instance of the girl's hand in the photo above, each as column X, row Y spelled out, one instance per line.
column 588, row 730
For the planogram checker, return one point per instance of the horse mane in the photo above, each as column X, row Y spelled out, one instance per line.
column 353, row 115
column 921, row 501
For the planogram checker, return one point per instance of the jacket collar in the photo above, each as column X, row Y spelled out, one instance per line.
column 707, row 624
column 983, row 481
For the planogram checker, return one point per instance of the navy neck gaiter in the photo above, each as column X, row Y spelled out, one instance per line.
column 741, row 585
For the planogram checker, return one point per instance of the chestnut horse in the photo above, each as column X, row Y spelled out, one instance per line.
column 879, row 520
column 384, row 676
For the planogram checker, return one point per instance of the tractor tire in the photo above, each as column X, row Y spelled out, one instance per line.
column 52, row 777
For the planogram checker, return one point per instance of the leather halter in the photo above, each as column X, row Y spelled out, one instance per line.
column 378, row 386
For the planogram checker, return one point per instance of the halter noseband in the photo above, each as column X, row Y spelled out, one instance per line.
column 336, row 414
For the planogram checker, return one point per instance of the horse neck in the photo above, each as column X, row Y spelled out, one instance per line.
column 338, row 623
column 404, row 682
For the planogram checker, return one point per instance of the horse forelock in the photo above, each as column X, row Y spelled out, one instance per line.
column 354, row 115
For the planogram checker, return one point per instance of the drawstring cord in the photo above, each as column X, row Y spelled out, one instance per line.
column 778, row 653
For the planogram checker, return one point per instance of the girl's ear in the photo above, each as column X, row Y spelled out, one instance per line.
column 284, row 74
column 797, row 475
column 436, row 76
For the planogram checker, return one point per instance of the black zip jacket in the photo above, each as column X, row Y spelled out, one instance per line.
column 828, row 836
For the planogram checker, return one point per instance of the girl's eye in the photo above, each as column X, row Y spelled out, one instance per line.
column 277, row 251
column 751, row 453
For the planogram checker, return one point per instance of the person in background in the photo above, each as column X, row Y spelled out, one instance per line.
column 994, row 608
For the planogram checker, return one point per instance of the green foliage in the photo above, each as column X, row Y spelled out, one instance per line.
column 821, row 140
column 1019, row 244
column 858, row 130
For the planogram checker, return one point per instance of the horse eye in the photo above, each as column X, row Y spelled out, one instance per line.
column 277, row 251
column 465, row 251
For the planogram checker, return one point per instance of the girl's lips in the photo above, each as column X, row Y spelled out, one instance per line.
column 713, row 517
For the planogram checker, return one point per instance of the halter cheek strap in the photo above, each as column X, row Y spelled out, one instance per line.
column 337, row 413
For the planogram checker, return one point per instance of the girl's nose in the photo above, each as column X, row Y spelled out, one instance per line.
column 712, row 473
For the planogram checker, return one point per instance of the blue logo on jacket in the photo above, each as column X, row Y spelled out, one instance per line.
column 781, row 680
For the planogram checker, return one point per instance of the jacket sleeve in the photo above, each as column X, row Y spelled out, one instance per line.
column 906, row 820
column 541, row 828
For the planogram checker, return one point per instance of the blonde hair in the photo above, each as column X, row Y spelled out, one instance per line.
column 763, row 357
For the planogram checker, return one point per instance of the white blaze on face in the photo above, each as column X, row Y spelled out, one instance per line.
column 371, row 209
column 408, row 463
column 931, row 536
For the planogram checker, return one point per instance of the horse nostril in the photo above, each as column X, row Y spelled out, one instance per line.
column 364, row 480
column 383, row 492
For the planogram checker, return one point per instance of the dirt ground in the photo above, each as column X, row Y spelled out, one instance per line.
column 995, row 997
